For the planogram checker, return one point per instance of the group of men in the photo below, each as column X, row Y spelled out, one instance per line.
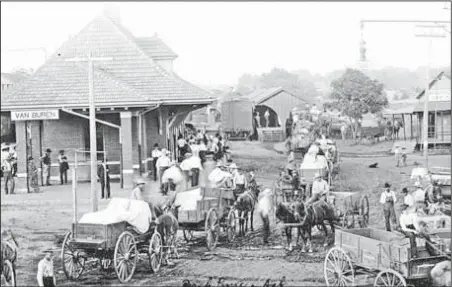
column 416, row 203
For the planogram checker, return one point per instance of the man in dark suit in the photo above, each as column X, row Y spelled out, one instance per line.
column 103, row 172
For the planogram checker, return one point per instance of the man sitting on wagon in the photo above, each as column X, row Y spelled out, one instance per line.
column 412, row 228
column 320, row 188
column 434, row 198
column 239, row 179
column 219, row 177
column 138, row 194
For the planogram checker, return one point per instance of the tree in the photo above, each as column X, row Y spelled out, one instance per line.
column 355, row 95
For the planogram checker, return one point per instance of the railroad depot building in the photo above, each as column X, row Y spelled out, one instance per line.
column 139, row 101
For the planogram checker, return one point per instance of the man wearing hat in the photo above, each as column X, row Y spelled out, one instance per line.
column 319, row 188
column 7, row 169
column 163, row 163
column 137, row 194
column 155, row 154
column 46, row 162
column 103, row 173
column 408, row 200
column 46, row 276
column 239, row 180
column 388, row 199
column 419, row 197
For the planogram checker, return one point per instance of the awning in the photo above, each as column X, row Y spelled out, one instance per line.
column 400, row 111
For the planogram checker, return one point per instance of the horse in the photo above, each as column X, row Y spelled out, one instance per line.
column 265, row 207
column 245, row 204
column 314, row 215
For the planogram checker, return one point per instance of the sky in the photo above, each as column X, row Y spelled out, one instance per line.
column 218, row 42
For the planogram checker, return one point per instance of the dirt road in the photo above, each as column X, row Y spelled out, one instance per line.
column 39, row 221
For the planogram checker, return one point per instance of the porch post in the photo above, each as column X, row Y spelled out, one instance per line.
column 145, row 144
column 411, row 126
column 442, row 126
column 127, row 149
column 21, row 180
column 404, row 127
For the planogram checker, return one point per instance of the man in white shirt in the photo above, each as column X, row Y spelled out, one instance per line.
column 7, row 169
column 319, row 188
column 408, row 200
column 419, row 197
column 388, row 199
column 156, row 153
column 267, row 118
column 163, row 163
column 239, row 180
column 46, row 276
column 409, row 226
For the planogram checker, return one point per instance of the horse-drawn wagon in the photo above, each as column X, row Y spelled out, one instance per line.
column 8, row 258
column 206, row 209
column 115, row 236
column 380, row 254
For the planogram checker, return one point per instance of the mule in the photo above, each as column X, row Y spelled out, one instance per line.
column 440, row 275
column 167, row 226
column 285, row 212
column 314, row 215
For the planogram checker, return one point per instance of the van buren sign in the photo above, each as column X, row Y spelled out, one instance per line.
column 35, row 115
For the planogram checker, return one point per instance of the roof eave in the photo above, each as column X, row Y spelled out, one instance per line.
column 78, row 106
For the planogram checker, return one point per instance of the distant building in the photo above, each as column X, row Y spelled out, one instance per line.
column 278, row 102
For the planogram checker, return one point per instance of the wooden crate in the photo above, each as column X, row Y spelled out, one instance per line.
column 209, row 192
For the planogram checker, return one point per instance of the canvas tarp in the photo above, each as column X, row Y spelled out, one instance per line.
column 137, row 215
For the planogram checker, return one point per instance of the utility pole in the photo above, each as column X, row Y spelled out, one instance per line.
column 92, row 123
column 430, row 36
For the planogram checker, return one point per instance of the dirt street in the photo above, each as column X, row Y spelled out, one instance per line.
column 40, row 220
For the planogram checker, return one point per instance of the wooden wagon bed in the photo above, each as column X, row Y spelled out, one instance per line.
column 368, row 251
column 207, row 210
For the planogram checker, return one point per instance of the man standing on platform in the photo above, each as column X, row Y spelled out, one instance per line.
column 267, row 118
column 46, row 167
column 156, row 153
column 163, row 163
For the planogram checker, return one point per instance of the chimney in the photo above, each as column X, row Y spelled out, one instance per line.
column 111, row 11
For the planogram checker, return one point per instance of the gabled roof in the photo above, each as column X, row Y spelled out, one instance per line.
column 12, row 78
column 433, row 82
column 139, row 77
column 261, row 95
column 155, row 48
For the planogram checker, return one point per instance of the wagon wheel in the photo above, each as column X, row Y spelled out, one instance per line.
column 364, row 211
column 126, row 256
column 231, row 225
column 188, row 235
column 338, row 268
column 389, row 278
column 9, row 274
column 155, row 252
column 73, row 262
column 212, row 227
column 348, row 219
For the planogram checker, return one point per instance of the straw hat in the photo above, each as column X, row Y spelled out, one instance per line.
column 417, row 184
column 188, row 154
column 164, row 151
column 219, row 164
column 233, row 166
column 317, row 175
column 139, row 181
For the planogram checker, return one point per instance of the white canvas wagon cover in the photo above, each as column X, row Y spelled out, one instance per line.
column 138, row 215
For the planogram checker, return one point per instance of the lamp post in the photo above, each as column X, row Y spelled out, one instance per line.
column 92, row 124
column 429, row 36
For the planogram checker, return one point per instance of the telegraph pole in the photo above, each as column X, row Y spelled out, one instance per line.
column 430, row 36
column 92, row 123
